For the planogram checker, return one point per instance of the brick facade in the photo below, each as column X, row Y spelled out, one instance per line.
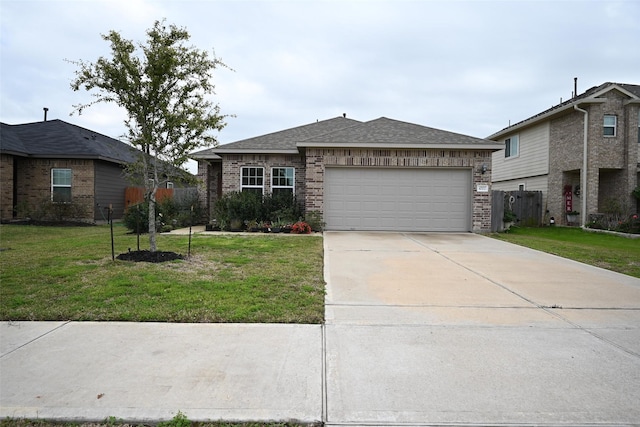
column 234, row 162
column 310, row 167
column 612, row 171
column 6, row 188
column 319, row 158
column 209, row 183
column 33, row 184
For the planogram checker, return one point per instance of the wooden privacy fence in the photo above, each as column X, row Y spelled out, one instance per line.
column 525, row 205
column 135, row 195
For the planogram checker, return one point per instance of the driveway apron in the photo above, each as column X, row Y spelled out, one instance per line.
column 465, row 329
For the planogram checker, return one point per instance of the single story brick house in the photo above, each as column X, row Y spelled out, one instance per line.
column 61, row 162
column 381, row 174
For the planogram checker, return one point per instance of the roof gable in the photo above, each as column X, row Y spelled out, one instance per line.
column 59, row 139
column 282, row 141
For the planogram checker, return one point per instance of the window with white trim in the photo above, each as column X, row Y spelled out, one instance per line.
column 61, row 185
column 283, row 180
column 252, row 179
column 609, row 125
column 511, row 147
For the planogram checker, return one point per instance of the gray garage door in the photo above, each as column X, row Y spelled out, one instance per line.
column 397, row 199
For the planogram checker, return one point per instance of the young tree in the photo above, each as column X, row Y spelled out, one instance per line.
column 164, row 87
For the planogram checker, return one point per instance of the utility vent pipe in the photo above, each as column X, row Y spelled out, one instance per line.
column 45, row 113
column 575, row 86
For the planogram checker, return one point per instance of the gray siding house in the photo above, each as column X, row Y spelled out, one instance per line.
column 583, row 154
column 57, row 161
column 382, row 174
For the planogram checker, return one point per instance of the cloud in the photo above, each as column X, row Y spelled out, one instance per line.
column 464, row 66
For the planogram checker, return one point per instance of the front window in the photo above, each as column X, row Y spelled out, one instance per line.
column 282, row 180
column 511, row 148
column 252, row 179
column 609, row 128
column 61, row 185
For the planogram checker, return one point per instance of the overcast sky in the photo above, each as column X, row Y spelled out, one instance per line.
column 470, row 67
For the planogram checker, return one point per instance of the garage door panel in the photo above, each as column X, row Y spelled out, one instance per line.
column 398, row 199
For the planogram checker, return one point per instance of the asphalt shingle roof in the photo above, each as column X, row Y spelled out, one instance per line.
column 285, row 139
column 59, row 139
column 393, row 132
column 343, row 131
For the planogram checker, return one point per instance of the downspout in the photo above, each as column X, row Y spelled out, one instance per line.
column 583, row 177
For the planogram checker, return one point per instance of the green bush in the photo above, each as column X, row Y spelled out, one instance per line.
column 51, row 211
column 314, row 219
column 170, row 214
column 136, row 218
column 250, row 206
column 630, row 225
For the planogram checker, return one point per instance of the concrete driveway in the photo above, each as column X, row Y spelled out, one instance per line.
column 464, row 329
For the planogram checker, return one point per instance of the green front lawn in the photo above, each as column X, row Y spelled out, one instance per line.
column 51, row 273
column 602, row 250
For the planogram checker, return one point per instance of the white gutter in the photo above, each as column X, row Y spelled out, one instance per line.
column 488, row 145
column 583, row 176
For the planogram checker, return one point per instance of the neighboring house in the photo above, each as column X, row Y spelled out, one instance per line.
column 378, row 175
column 60, row 162
column 547, row 153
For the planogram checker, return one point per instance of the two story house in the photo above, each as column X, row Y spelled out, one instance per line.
column 583, row 154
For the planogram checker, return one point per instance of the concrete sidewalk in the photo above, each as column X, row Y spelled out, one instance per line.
column 421, row 329
column 147, row 372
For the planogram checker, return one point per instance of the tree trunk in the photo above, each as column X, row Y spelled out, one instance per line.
column 152, row 220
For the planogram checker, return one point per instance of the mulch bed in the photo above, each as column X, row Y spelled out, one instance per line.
column 148, row 256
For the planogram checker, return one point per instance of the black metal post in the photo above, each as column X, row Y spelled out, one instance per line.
column 190, row 224
column 138, row 226
column 110, row 219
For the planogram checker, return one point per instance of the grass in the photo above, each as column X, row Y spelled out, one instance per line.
column 49, row 273
column 602, row 250
column 114, row 422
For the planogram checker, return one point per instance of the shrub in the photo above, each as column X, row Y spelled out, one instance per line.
column 136, row 218
column 630, row 225
column 250, row 206
column 170, row 214
column 51, row 211
column 509, row 216
column 314, row 219
column 301, row 227
column 238, row 206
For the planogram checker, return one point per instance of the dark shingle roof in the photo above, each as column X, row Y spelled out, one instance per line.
column 285, row 140
column 389, row 132
column 346, row 132
column 58, row 139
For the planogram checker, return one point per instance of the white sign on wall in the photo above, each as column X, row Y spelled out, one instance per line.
column 482, row 188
